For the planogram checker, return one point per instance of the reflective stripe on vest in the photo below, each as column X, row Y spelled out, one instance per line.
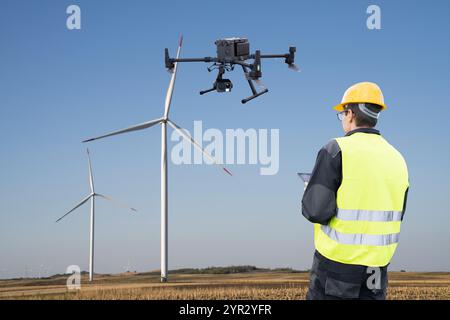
column 369, row 215
column 361, row 239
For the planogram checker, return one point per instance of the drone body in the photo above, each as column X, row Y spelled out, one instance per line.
column 232, row 52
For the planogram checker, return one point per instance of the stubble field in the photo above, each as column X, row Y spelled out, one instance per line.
column 256, row 285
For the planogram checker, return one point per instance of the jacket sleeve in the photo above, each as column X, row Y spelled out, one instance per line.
column 319, row 198
column 404, row 203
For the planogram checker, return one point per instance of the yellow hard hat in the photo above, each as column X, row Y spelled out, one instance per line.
column 362, row 92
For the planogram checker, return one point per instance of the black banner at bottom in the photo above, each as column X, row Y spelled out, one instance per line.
column 216, row 309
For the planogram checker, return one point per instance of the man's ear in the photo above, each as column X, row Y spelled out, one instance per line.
column 352, row 116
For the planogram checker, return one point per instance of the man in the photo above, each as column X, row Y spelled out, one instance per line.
column 356, row 198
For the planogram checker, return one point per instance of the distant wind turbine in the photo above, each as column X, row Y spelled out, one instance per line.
column 91, row 197
column 164, row 120
column 127, row 268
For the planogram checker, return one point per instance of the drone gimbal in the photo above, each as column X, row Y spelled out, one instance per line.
column 232, row 52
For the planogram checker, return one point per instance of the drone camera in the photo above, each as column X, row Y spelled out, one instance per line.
column 224, row 85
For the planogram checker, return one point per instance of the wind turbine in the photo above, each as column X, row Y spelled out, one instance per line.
column 164, row 120
column 91, row 197
column 127, row 268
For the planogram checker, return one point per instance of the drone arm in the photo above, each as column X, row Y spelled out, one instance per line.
column 243, row 64
column 205, row 59
column 274, row 56
column 289, row 57
column 170, row 61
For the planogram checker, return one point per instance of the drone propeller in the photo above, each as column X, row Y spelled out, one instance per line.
column 294, row 67
column 291, row 66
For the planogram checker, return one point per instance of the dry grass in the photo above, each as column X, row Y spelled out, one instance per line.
column 258, row 285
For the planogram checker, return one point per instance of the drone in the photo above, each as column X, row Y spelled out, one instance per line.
column 232, row 52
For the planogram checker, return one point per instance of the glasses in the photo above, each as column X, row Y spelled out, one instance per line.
column 342, row 114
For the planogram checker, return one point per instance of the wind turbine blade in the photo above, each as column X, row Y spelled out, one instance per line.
column 141, row 126
column 77, row 206
column 172, row 81
column 91, row 179
column 117, row 203
column 196, row 144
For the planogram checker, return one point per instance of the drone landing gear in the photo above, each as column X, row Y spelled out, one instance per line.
column 225, row 85
column 209, row 90
column 252, row 87
column 254, row 96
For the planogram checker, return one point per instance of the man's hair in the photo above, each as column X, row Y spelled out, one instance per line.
column 362, row 117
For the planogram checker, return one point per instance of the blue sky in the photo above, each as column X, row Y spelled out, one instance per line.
column 58, row 87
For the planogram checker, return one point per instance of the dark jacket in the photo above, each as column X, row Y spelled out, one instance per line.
column 319, row 198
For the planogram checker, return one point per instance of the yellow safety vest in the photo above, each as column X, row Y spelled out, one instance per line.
column 365, row 230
